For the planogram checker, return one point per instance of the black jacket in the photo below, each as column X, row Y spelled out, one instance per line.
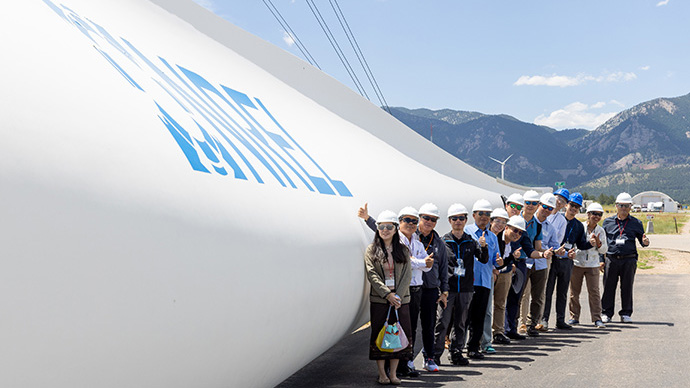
column 466, row 249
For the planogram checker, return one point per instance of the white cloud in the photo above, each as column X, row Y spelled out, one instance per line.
column 645, row 68
column 565, row 81
column 618, row 103
column 288, row 39
column 576, row 115
column 662, row 3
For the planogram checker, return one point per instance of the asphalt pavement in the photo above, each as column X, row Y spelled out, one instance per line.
column 651, row 352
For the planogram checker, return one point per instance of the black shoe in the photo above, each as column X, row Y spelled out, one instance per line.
column 437, row 360
column 475, row 354
column 532, row 332
column 563, row 326
column 403, row 370
column 515, row 336
column 458, row 359
column 501, row 339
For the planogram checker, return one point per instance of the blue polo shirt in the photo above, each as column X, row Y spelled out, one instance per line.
column 483, row 273
column 531, row 232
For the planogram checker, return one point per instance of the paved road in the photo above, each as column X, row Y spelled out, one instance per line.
column 652, row 352
column 679, row 242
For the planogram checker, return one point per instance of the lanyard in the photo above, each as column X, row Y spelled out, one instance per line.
column 568, row 230
column 391, row 266
column 620, row 230
column 429, row 244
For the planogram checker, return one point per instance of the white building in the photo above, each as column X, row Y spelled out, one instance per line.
column 644, row 198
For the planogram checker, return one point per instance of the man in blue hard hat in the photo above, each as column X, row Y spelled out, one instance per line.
column 562, row 262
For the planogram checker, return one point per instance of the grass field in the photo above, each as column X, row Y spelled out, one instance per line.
column 647, row 258
column 663, row 222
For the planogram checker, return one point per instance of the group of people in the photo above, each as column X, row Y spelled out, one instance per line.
column 492, row 281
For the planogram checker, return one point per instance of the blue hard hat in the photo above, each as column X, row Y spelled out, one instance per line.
column 576, row 197
column 563, row 193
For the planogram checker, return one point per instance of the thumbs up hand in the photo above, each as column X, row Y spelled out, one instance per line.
column 499, row 260
column 561, row 251
column 645, row 240
column 517, row 253
column 482, row 240
column 429, row 261
column 363, row 212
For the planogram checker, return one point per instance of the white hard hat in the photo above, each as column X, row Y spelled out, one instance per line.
column 548, row 199
column 623, row 198
column 482, row 205
column 531, row 195
column 517, row 222
column 430, row 209
column 499, row 212
column 456, row 209
column 595, row 207
column 516, row 198
column 387, row 216
column 408, row 211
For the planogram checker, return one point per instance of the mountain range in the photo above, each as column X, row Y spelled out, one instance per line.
column 646, row 147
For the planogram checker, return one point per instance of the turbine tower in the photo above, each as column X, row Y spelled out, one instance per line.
column 503, row 165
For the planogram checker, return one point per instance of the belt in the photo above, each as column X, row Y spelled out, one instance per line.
column 630, row 256
column 415, row 288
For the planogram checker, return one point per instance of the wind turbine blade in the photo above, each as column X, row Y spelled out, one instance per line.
column 497, row 161
column 508, row 158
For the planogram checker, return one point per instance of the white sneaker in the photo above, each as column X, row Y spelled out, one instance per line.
column 626, row 319
column 430, row 365
column 605, row 318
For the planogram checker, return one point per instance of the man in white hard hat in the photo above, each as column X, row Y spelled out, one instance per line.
column 533, row 297
column 421, row 262
column 505, row 235
column 621, row 258
column 514, row 204
column 483, row 275
column 435, row 285
column 587, row 265
column 463, row 250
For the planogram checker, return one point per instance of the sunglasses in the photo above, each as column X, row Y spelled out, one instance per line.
column 573, row 204
column 596, row 214
column 547, row 207
column 458, row 218
column 483, row 214
column 516, row 230
column 386, row 226
column 515, row 206
column 428, row 218
column 409, row 220
column 533, row 203
column 623, row 205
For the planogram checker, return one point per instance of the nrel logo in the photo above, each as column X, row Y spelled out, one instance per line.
column 220, row 130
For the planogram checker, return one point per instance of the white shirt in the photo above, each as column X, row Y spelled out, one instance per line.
column 418, row 254
column 590, row 257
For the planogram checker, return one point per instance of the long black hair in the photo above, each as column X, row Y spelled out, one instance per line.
column 381, row 252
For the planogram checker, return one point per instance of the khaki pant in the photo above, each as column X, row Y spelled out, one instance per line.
column 501, row 288
column 531, row 310
column 591, row 276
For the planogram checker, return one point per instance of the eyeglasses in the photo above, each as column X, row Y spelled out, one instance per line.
column 458, row 218
column 483, row 214
column 428, row 218
column 623, row 205
column 515, row 206
column 547, row 207
column 596, row 214
column 499, row 221
column 409, row 220
column 386, row 226
column 533, row 203
column 573, row 204
column 516, row 230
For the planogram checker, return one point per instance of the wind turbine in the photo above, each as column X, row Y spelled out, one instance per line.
column 503, row 165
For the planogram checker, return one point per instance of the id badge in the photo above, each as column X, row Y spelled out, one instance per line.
column 620, row 241
column 568, row 246
column 390, row 282
column 530, row 265
column 459, row 271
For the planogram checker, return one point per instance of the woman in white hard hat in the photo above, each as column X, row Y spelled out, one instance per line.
column 389, row 271
column 587, row 265
column 499, row 218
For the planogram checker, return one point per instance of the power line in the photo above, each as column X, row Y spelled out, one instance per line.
column 288, row 30
column 360, row 55
column 336, row 47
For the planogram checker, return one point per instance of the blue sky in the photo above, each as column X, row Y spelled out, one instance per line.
column 555, row 63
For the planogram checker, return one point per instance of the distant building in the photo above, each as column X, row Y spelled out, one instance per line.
column 655, row 201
